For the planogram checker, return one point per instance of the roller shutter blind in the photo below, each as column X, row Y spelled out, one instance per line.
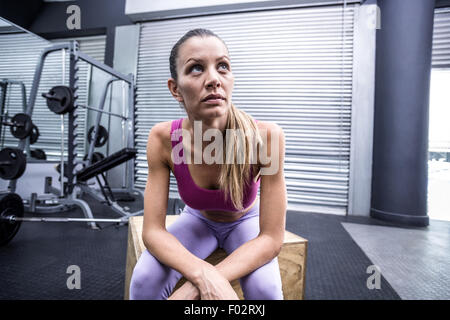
column 441, row 38
column 19, row 54
column 292, row 67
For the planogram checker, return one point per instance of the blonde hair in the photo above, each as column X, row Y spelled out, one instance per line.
column 235, row 177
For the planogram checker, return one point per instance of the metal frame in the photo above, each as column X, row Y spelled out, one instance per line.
column 70, row 194
column 24, row 144
column 100, row 112
column 4, row 83
column 363, row 96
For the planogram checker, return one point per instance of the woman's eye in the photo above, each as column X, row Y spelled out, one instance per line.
column 196, row 68
column 224, row 66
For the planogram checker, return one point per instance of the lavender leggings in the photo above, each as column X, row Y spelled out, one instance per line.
column 201, row 236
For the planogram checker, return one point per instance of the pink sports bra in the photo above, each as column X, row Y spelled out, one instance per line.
column 201, row 198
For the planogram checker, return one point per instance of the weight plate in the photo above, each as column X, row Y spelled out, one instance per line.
column 34, row 134
column 38, row 154
column 22, row 126
column 12, row 163
column 10, row 204
column 96, row 157
column 102, row 136
column 60, row 99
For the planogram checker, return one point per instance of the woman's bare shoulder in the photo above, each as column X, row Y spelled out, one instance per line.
column 268, row 126
column 161, row 130
column 159, row 136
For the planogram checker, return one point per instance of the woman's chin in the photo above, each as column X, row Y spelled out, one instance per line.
column 215, row 111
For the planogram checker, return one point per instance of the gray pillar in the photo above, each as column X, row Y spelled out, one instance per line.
column 403, row 64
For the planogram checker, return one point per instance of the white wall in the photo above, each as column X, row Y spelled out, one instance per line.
column 140, row 6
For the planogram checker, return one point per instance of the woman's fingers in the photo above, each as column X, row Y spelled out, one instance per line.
column 186, row 292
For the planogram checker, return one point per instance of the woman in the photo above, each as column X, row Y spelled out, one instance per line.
column 222, row 208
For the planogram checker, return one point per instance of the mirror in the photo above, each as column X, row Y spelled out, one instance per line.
column 20, row 53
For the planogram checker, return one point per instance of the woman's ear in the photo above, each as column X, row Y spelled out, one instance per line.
column 171, row 83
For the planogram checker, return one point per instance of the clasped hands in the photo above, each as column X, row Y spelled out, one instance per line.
column 208, row 285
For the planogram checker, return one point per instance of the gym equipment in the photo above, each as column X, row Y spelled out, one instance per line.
column 58, row 168
column 96, row 156
column 38, row 154
column 10, row 204
column 12, row 163
column 13, row 160
column 63, row 100
column 60, row 99
column 5, row 85
column 34, row 136
column 12, row 215
column 98, row 169
column 102, row 111
column 107, row 163
column 20, row 125
column 102, row 136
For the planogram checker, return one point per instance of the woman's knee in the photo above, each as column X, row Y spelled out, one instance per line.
column 150, row 280
column 263, row 283
column 265, row 289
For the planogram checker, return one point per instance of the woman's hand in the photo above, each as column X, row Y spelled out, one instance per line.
column 213, row 286
column 186, row 292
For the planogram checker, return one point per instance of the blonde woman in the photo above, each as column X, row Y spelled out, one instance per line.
column 222, row 208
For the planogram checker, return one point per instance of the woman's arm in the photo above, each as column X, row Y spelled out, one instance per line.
column 273, row 204
column 158, row 241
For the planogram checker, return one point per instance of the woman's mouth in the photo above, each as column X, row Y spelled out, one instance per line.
column 213, row 99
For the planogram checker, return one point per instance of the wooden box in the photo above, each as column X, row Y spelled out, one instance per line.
column 292, row 260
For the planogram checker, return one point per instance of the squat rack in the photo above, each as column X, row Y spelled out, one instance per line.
column 4, row 84
column 70, row 195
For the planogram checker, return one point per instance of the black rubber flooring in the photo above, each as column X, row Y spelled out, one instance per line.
column 34, row 264
column 336, row 267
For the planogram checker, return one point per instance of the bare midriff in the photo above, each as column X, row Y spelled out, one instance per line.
column 226, row 216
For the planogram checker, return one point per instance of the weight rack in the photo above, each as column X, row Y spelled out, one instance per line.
column 4, row 85
column 70, row 195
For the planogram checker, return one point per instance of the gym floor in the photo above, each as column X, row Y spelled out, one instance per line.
column 340, row 250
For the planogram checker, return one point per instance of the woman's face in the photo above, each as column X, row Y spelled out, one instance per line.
column 205, row 81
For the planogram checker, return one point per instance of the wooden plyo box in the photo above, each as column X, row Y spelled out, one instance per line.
column 292, row 260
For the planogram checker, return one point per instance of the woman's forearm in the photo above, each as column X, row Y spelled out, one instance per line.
column 169, row 251
column 248, row 257
column 245, row 259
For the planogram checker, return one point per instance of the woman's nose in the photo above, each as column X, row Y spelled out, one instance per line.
column 213, row 84
column 212, row 80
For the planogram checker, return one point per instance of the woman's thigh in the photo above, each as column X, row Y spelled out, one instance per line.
column 263, row 283
column 154, row 280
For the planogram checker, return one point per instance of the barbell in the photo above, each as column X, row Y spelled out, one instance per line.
column 20, row 125
column 60, row 100
column 12, row 216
